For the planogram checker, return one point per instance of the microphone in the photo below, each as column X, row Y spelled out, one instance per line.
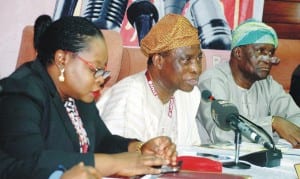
column 227, row 117
column 142, row 14
column 254, row 135
column 64, row 8
column 174, row 6
column 207, row 96
column 213, row 29
column 105, row 14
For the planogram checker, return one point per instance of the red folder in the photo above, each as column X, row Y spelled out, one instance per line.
column 195, row 163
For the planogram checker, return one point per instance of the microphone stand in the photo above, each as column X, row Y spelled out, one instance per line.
column 236, row 164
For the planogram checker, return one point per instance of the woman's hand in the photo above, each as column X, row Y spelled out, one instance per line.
column 81, row 172
column 128, row 164
column 161, row 146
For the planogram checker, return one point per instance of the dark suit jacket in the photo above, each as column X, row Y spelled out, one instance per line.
column 11, row 168
column 295, row 85
column 35, row 125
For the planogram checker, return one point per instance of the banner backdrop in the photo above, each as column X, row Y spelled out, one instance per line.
column 235, row 12
column 214, row 19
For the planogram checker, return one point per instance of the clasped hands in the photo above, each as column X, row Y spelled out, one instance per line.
column 155, row 152
column 161, row 147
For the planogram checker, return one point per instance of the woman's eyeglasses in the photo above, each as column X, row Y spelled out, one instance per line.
column 97, row 71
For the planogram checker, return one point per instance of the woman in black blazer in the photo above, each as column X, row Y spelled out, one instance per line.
column 48, row 113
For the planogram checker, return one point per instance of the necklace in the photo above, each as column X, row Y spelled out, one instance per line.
column 154, row 92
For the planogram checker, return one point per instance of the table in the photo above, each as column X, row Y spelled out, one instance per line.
column 226, row 153
column 200, row 175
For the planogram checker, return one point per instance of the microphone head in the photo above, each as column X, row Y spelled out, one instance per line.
column 105, row 14
column 222, row 111
column 206, row 95
column 141, row 7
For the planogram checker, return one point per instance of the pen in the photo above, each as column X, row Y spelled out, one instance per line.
column 219, row 157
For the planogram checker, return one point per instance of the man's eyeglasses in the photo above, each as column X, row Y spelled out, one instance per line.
column 266, row 58
column 97, row 71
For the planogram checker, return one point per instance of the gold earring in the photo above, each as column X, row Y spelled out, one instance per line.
column 61, row 77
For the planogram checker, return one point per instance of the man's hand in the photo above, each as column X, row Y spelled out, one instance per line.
column 287, row 130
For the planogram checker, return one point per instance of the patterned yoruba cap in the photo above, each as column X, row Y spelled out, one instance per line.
column 253, row 32
column 170, row 32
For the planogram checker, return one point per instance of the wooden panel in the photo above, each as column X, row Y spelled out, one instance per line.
column 281, row 12
column 284, row 17
column 286, row 31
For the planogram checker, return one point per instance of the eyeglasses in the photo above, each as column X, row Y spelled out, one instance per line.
column 266, row 58
column 97, row 71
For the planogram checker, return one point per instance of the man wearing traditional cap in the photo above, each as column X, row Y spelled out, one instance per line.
column 163, row 99
column 245, row 82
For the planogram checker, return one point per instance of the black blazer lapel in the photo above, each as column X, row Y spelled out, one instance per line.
column 87, row 117
column 67, row 123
